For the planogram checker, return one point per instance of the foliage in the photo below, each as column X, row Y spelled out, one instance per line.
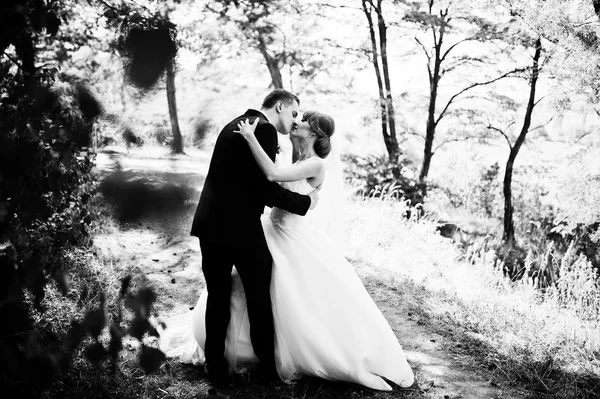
column 374, row 176
column 577, row 217
column 578, row 285
column 45, row 185
column 46, row 121
column 265, row 26
column 519, row 333
column 147, row 42
column 571, row 29
column 453, row 26
column 202, row 127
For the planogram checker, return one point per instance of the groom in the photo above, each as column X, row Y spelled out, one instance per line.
column 227, row 222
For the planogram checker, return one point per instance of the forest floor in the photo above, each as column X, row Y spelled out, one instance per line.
column 447, row 361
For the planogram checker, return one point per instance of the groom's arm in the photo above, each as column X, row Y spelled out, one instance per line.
column 273, row 194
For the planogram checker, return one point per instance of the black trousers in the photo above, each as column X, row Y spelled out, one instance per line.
column 254, row 266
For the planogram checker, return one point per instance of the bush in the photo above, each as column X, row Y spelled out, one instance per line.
column 374, row 176
column 163, row 136
column 45, row 184
column 202, row 127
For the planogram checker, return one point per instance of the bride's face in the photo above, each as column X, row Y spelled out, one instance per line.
column 303, row 131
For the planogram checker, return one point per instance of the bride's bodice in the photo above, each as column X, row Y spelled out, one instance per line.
column 288, row 220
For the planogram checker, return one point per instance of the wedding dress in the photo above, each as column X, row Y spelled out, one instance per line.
column 326, row 324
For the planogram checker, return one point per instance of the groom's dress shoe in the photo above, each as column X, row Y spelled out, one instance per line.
column 219, row 381
column 217, row 376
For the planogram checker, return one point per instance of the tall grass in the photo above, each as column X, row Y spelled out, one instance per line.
column 549, row 340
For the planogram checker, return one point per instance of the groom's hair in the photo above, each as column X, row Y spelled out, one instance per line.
column 279, row 95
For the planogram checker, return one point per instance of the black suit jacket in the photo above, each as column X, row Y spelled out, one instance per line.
column 236, row 191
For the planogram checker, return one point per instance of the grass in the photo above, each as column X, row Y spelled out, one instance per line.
column 516, row 334
column 522, row 335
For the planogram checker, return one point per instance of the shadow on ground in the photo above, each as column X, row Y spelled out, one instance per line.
column 151, row 188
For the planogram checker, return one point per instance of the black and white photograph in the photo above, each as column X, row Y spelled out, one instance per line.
column 300, row 199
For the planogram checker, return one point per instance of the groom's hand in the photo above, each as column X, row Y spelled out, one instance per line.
column 314, row 197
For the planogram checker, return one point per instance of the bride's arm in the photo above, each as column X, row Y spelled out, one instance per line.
column 304, row 170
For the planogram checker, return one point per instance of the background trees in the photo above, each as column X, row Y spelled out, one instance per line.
column 374, row 13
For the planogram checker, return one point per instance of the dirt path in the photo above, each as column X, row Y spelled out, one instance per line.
column 163, row 251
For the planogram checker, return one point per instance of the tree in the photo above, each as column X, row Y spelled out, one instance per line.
column 449, row 25
column 508, row 235
column 147, row 43
column 570, row 27
column 266, row 26
column 373, row 11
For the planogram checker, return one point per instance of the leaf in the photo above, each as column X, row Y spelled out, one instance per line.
column 151, row 359
column 424, row 19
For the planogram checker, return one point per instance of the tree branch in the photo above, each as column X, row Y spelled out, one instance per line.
column 542, row 125
column 505, row 75
column 502, row 132
column 338, row 6
column 13, row 60
column 454, row 140
column 460, row 62
column 454, row 46
column 106, row 4
column 428, row 59
column 581, row 137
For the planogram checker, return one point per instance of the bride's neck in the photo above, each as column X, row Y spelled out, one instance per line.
column 304, row 150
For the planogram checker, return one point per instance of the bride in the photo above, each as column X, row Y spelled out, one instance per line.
column 326, row 324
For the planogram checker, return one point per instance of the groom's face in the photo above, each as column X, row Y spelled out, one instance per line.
column 287, row 116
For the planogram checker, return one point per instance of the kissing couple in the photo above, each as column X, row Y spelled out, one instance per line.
column 293, row 306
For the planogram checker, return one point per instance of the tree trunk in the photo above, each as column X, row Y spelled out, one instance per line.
column 391, row 144
column 177, row 141
column 509, row 228
column 272, row 64
column 393, row 149
column 427, row 152
column 434, row 81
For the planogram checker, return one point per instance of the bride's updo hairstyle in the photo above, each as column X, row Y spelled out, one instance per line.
column 324, row 127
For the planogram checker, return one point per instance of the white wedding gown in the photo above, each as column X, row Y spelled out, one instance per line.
column 326, row 324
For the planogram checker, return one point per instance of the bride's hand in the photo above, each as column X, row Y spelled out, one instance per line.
column 246, row 128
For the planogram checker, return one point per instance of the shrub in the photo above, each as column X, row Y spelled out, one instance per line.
column 45, row 183
column 163, row 136
column 577, row 287
column 202, row 127
column 374, row 176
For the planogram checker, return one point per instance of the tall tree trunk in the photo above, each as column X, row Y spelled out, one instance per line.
column 434, row 81
column 177, row 141
column 272, row 64
column 390, row 141
column 431, row 122
column 394, row 149
column 509, row 228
